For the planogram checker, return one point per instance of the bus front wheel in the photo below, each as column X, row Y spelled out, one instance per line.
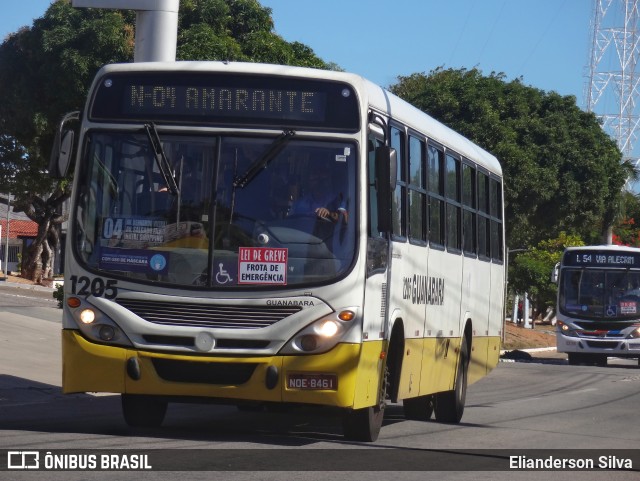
column 449, row 405
column 574, row 358
column 143, row 411
column 365, row 424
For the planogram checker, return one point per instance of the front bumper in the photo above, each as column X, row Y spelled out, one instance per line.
column 597, row 345
column 90, row 367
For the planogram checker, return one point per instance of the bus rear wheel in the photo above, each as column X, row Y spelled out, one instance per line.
column 418, row 408
column 449, row 405
column 143, row 411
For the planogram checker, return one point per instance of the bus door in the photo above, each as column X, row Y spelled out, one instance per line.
column 375, row 315
column 376, row 292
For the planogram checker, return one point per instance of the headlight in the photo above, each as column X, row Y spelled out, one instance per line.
column 566, row 330
column 95, row 325
column 635, row 334
column 329, row 329
column 87, row 316
column 324, row 333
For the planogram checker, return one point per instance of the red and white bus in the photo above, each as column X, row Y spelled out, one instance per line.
column 598, row 313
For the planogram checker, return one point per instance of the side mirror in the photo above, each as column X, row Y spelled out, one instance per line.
column 61, row 155
column 555, row 273
column 62, row 151
column 386, row 178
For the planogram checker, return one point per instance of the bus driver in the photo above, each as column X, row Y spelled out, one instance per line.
column 319, row 198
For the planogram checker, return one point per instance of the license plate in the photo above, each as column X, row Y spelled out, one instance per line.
column 312, row 381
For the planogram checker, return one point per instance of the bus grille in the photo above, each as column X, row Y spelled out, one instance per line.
column 207, row 315
column 603, row 344
column 204, row 372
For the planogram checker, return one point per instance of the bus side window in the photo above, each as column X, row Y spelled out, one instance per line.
column 484, row 236
column 398, row 221
column 495, row 202
column 372, row 145
column 435, row 198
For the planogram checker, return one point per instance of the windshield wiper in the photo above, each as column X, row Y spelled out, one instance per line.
column 272, row 151
column 161, row 158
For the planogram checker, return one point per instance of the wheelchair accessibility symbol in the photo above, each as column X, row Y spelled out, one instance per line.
column 222, row 276
column 611, row 311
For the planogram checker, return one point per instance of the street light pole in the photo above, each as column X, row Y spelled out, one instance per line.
column 506, row 291
column 6, row 246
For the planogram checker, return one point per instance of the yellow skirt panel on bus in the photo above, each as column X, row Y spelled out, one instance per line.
column 440, row 356
column 89, row 367
column 478, row 359
column 493, row 350
column 369, row 371
column 412, row 366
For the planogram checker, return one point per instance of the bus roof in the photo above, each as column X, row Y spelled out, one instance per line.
column 604, row 247
column 373, row 95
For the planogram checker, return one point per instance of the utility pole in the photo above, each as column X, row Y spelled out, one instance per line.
column 156, row 26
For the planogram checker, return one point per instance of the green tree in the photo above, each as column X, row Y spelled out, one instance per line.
column 46, row 69
column 562, row 171
column 44, row 73
column 627, row 228
column 530, row 271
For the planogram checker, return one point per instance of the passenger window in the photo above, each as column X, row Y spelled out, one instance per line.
column 435, row 188
column 469, row 232
column 452, row 191
column 417, row 190
column 399, row 196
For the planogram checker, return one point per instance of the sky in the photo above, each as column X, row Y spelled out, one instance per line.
column 545, row 42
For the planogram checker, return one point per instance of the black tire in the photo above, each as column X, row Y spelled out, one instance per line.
column 418, row 408
column 449, row 405
column 365, row 424
column 577, row 358
column 143, row 411
column 600, row 360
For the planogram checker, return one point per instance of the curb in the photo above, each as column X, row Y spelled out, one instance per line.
column 33, row 287
column 533, row 349
column 525, row 355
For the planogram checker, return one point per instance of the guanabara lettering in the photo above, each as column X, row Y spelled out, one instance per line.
column 289, row 302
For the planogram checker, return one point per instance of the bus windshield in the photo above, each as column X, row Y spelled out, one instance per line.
column 600, row 293
column 247, row 211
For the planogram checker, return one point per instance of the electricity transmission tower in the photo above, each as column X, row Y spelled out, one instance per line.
column 612, row 91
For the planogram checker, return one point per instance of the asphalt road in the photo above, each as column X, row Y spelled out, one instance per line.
column 519, row 408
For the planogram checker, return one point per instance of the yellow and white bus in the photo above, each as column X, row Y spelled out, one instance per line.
column 265, row 234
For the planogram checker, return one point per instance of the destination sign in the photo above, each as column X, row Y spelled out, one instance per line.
column 601, row 258
column 225, row 99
